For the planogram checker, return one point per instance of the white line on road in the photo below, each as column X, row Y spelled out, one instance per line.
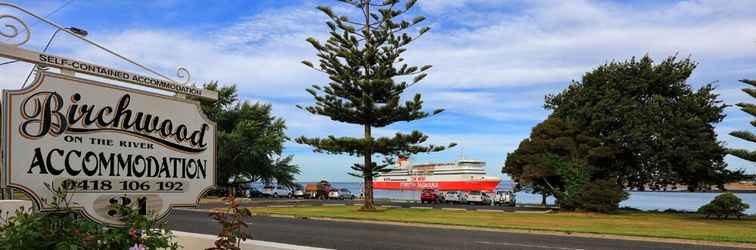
column 389, row 206
column 525, row 245
column 422, row 207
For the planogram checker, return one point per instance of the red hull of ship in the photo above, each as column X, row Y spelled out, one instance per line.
column 440, row 185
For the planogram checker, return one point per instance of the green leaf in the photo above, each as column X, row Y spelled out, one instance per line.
column 419, row 77
column 411, row 3
column 308, row 63
column 426, row 67
column 326, row 10
column 424, row 29
column 418, row 19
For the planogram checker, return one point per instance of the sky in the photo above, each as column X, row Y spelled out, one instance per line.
column 493, row 60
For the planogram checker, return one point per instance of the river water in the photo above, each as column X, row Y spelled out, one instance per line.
column 641, row 200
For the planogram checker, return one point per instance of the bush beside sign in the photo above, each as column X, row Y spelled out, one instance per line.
column 106, row 145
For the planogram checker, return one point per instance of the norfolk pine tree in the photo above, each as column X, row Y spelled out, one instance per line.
column 362, row 59
column 749, row 108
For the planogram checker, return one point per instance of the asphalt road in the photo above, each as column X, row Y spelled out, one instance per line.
column 351, row 235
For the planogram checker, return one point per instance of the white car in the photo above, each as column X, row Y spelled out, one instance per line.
column 454, row 197
column 275, row 191
column 345, row 194
column 334, row 194
column 505, row 197
column 299, row 193
column 477, row 197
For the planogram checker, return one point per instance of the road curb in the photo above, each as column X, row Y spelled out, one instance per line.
column 453, row 209
column 490, row 210
column 196, row 240
column 533, row 212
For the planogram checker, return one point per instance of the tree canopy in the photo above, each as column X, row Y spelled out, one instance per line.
column 750, row 108
column 250, row 140
column 558, row 159
column 660, row 127
column 363, row 61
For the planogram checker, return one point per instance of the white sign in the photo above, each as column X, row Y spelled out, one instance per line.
column 42, row 59
column 106, row 145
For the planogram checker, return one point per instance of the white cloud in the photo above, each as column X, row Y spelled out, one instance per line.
column 490, row 63
column 555, row 41
column 444, row 6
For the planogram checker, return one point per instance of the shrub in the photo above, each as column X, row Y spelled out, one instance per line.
column 723, row 206
column 234, row 229
column 603, row 196
column 64, row 228
column 67, row 230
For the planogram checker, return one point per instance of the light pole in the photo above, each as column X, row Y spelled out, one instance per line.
column 77, row 31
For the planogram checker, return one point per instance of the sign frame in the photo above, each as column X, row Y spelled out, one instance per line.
column 6, row 113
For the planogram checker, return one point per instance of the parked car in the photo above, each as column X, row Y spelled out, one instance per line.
column 477, row 197
column 430, row 196
column 253, row 192
column 298, row 193
column 334, row 194
column 505, row 198
column 345, row 194
column 275, row 191
column 454, row 197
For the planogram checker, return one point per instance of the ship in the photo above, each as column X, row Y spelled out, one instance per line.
column 462, row 175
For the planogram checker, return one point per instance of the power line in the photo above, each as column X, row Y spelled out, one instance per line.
column 58, row 9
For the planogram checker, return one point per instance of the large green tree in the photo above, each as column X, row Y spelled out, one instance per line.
column 557, row 159
column 662, row 128
column 750, row 108
column 249, row 139
column 363, row 60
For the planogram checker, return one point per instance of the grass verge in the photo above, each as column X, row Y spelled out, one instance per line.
column 661, row 225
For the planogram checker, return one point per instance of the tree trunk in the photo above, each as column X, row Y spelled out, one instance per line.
column 543, row 199
column 367, row 172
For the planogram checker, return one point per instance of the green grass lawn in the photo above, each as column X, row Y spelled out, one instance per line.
column 679, row 226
